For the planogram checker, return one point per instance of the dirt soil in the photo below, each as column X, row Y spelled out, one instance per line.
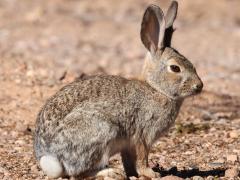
column 47, row 44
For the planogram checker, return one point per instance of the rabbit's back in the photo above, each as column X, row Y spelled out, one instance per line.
column 101, row 88
column 86, row 89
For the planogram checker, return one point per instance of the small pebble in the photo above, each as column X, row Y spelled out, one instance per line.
column 236, row 151
column 207, row 116
column 234, row 134
column 34, row 15
column 217, row 163
column 210, row 178
column 226, row 115
column 197, row 178
column 20, row 142
column 232, row 158
column 30, row 73
column 144, row 178
column 3, row 170
column 132, row 178
column 108, row 178
column 232, row 173
column 20, row 126
column 34, row 169
column 171, row 178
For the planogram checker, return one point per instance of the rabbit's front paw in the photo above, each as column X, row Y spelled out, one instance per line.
column 148, row 172
column 112, row 173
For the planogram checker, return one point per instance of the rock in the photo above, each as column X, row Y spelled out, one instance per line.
column 3, row 170
column 207, row 116
column 144, row 178
column 30, row 73
column 197, row 178
column 234, row 134
column 232, row 158
column 111, row 173
column 188, row 152
column 210, row 178
column 34, row 169
column 171, row 178
column 217, row 163
column 34, row 15
column 18, row 81
column 6, row 173
column 20, row 126
column 20, row 142
column 226, row 115
column 132, row 178
column 222, row 121
column 237, row 151
column 232, row 173
column 14, row 134
column 50, row 82
column 221, row 160
column 108, row 178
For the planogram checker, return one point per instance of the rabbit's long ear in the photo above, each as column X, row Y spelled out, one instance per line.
column 171, row 14
column 170, row 17
column 153, row 28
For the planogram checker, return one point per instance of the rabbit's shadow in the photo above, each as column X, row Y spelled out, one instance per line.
column 189, row 173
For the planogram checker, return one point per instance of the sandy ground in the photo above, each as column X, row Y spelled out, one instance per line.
column 47, row 44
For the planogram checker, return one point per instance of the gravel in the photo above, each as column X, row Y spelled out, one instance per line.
column 45, row 45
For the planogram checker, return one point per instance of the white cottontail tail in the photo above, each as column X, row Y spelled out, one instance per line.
column 93, row 118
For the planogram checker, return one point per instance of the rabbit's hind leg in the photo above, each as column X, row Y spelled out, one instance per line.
column 51, row 166
column 97, row 168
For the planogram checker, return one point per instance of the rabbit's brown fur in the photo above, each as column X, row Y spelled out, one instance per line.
column 95, row 117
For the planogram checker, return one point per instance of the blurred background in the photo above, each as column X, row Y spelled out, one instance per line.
column 46, row 44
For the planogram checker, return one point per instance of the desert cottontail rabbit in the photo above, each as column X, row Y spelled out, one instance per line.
column 93, row 118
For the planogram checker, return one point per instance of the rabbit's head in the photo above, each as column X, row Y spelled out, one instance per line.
column 165, row 69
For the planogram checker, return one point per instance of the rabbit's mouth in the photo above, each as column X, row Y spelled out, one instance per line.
column 194, row 90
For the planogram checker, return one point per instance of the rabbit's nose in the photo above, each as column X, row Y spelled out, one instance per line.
column 198, row 87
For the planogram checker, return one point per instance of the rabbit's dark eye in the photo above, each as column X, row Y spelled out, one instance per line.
column 175, row 68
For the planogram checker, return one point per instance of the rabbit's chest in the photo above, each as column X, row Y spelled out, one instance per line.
column 161, row 116
column 165, row 116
